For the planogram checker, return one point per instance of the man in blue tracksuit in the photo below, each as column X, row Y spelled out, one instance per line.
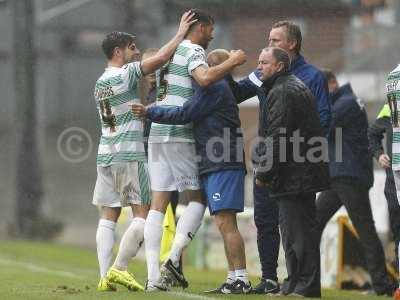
column 287, row 36
column 351, row 178
column 219, row 147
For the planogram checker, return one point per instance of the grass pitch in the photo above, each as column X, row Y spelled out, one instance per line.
column 41, row 271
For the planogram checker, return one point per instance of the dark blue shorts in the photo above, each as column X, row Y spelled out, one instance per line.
column 224, row 190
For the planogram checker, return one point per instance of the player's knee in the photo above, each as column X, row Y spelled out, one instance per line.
column 110, row 213
column 195, row 196
column 160, row 201
column 140, row 211
column 226, row 222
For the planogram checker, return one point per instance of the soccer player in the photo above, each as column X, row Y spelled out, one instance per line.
column 215, row 116
column 172, row 164
column 122, row 176
column 393, row 96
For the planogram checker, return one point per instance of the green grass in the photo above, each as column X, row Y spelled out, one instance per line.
column 30, row 270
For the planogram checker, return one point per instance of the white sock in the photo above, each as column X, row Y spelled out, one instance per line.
column 242, row 275
column 105, row 242
column 130, row 243
column 186, row 228
column 231, row 277
column 152, row 237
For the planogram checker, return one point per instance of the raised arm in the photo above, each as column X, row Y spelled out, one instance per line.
column 205, row 76
column 164, row 54
column 243, row 89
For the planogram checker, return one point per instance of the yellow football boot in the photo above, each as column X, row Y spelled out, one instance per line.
column 106, row 286
column 124, row 278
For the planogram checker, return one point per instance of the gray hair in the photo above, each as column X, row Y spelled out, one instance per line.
column 280, row 55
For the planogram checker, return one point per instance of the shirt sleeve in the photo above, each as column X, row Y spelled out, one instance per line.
column 134, row 71
column 196, row 57
column 319, row 88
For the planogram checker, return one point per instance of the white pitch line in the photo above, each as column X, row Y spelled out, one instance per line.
column 190, row 296
column 38, row 269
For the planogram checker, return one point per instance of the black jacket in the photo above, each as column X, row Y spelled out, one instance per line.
column 376, row 131
column 291, row 109
column 349, row 116
column 216, row 126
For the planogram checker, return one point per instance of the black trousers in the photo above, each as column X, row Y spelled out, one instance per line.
column 297, row 220
column 355, row 198
column 266, row 218
column 394, row 213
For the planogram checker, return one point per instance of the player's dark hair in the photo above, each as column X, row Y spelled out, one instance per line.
column 202, row 17
column 116, row 39
column 293, row 33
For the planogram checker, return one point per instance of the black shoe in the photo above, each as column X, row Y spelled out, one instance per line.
column 238, row 287
column 389, row 292
column 218, row 290
column 168, row 270
column 267, row 286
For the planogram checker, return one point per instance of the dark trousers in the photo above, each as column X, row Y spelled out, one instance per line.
column 394, row 213
column 266, row 218
column 355, row 198
column 297, row 220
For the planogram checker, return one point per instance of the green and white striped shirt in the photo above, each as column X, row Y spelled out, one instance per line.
column 393, row 96
column 122, row 134
column 187, row 57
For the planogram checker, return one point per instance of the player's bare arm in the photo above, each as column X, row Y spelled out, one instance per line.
column 164, row 54
column 205, row 76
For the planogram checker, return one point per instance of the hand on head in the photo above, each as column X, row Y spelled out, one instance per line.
column 186, row 21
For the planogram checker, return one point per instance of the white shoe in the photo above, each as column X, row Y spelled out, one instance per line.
column 156, row 287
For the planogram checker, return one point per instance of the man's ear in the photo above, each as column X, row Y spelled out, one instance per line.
column 202, row 27
column 117, row 51
column 292, row 44
column 281, row 66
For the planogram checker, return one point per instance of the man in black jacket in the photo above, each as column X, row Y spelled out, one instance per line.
column 286, row 35
column 376, row 131
column 292, row 166
column 351, row 178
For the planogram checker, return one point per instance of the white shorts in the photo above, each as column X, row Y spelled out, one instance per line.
column 396, row 175
column 122, row 184
column 173, row 167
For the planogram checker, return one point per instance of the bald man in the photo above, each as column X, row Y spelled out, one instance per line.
column 219, row 147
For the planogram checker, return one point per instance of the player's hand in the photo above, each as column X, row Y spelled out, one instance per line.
column 138, row 110
column 262, row 183
column 384, row 161
column 238, row 57
column 186, row 21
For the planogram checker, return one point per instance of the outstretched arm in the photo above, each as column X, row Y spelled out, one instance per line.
column 205, row 76
column 164, row 54
column 193, row 110
column 243, row 89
